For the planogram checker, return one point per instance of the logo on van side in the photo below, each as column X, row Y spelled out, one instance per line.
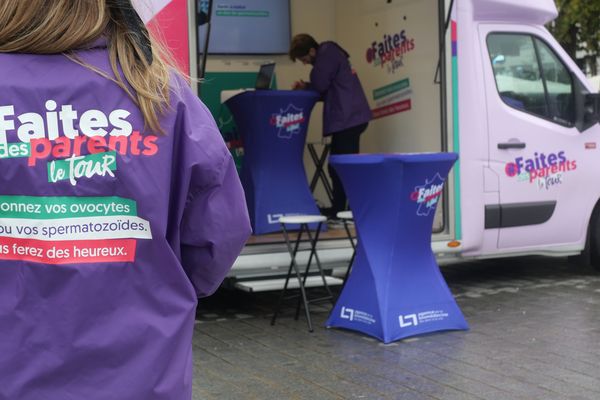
column 288, row 121
column 545, row 170
column 428, row 195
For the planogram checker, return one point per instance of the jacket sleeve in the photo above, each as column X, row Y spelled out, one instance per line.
column 325, row 70
column 215, row 223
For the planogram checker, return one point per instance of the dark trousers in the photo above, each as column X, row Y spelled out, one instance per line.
column 343, row 142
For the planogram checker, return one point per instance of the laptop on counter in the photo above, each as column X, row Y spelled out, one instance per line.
column 263, row 82
column 265, row 76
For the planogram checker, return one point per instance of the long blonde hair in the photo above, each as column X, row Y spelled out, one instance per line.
column 63, row 26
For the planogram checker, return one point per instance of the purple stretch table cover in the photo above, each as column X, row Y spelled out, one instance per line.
column 395, row 289
column 273, row 125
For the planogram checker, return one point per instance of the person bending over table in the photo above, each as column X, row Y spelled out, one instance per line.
column 346, row 112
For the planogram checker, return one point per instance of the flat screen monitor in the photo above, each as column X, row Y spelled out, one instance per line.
column 246, row 26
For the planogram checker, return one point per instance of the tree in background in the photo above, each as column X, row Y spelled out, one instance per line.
column 577, row 29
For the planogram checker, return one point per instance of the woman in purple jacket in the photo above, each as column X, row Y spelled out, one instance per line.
column 346, row 112
column 119, row 206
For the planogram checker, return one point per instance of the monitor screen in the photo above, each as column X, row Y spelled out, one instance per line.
column 246, row 26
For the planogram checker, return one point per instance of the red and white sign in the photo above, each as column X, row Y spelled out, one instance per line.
column 67, row 252
column 168, row 21
column 390, row 109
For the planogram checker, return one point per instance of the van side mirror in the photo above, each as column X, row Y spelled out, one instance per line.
column 499, row 59
column 587, row 106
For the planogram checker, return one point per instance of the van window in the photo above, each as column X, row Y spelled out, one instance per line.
column 530, row 77
column 517, row 72
column 558, row 84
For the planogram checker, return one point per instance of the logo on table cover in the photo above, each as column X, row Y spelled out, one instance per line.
column 428, row 195
column 76, row 144
column 288, row 121
column 543, row 170
column 406, row 321
column 357, row 316
column 347, row 313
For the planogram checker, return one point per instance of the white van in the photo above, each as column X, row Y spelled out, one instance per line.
column 485, row 79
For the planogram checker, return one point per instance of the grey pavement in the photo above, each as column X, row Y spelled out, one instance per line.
column 534, row 334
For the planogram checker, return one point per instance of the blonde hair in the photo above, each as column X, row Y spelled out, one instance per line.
column 63, row 26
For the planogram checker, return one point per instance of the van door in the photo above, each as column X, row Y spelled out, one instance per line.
column 533, row 143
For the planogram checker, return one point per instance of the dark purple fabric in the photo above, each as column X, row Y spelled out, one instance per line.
column 332, row 76
column 113, row 326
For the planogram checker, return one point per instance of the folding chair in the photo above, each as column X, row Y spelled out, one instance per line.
column 319, row 162
column 304, row 221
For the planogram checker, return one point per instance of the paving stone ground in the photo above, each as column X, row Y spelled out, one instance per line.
column 534, row 334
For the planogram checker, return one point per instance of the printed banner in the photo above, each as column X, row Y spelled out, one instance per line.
column 67, row 252
column 394, row 108
column 63, row 230
column 71, row 207
column 392, row 98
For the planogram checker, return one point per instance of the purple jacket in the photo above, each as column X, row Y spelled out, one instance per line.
column 107, row 233
column 345, row 101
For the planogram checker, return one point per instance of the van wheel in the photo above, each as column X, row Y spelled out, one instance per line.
column 590, row 256
column 591, row 253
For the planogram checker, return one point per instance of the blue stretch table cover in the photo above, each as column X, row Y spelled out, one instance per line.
column 273, row 125
column 395, row 289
